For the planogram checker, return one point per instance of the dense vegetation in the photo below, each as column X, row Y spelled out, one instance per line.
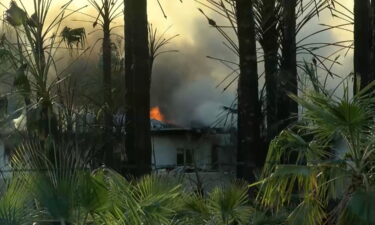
column 305, row 152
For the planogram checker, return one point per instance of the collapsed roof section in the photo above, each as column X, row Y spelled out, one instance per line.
column 160, row 127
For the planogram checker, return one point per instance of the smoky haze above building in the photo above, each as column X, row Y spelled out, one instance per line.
column 184, row 83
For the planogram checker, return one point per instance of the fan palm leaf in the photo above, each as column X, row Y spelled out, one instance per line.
column 305, row 165
column 15, row 203
column 230, row 205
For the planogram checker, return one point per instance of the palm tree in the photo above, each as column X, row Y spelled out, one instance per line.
column 138, row 83
column 373, row 36
column 332, row 179
column 15, row 203
column 268, row 26
column 159, row 199
column 280, row 70
column 62, row 190
column 33, row 58
column 249, row 113
column 33, row 27
column 65, row 191
column 362, row 43
column 288, row 83
column 108, row 11
column 249, row 116
column 222, row 206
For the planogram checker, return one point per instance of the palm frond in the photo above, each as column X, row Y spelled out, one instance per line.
column 359, row 209
column 159, row 199
column 230, row 205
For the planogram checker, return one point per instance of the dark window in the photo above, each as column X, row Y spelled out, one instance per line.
column 184, row 157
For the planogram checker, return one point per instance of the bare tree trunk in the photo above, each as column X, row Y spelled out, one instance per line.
column 138, row 83
column 270, row 44
column 107, row 87
column 362, row 43
column 288, row 82
column 249, row 113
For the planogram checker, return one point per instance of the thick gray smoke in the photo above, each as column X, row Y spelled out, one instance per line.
column 184, row 85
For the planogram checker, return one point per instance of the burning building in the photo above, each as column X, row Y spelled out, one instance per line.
column 201, row 154
column 175, row 149
column 174, row 146
column 190, row 151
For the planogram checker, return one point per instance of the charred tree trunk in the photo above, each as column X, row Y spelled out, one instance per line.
column 138, row 83
column 107, row 155
column 362, row 43
column 249, row 113
column 288, row 82
column 270, row 45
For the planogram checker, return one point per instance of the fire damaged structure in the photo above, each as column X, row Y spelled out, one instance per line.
column 207, row 149
column 196, row 147
column 202, row 154
column 203, row 157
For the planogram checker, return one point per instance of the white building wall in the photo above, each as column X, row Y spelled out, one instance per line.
column 202, row 154
column 165, row 147
column 164, row 151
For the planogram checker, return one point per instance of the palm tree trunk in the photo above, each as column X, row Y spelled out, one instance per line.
column 40, row 60
column 288, row 82
column 249, row 114
column 270, row 44
column 107, row 87
column 373, row 37
column 362, row 43
column 129, row 121
column 48, row 120
column 138, row 84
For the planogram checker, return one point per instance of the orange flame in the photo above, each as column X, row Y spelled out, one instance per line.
column 156, row 114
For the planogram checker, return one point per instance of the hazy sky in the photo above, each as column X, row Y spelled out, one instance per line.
column 184, row 83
